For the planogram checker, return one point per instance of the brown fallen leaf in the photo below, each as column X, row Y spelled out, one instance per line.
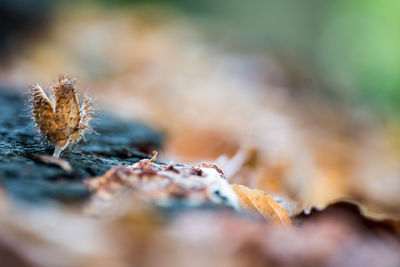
column 258, row 201
column 368, row 212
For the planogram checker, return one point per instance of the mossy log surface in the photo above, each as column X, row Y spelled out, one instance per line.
column 26, row 178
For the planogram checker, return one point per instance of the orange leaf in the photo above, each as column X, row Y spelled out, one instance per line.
column 258, row 201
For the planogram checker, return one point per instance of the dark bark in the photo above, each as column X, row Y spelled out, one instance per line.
column 25, row 177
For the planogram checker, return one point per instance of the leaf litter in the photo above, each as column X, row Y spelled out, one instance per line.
column 281, row 157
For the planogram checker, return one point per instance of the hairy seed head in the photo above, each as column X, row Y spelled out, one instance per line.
column 60, row 119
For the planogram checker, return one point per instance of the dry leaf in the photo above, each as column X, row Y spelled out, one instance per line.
column 368, row 211
column 258, row 201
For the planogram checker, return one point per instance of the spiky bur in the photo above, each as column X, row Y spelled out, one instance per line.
column 60, row 119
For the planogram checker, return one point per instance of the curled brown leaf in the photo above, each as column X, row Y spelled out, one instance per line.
column 260, row 202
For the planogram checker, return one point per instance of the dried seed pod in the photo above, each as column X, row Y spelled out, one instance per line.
column 60, row 119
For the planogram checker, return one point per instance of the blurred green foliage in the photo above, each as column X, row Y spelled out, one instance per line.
column 353, row 46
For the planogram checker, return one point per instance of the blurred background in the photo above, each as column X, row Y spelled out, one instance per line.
column 299, row 99
column 341, row 49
